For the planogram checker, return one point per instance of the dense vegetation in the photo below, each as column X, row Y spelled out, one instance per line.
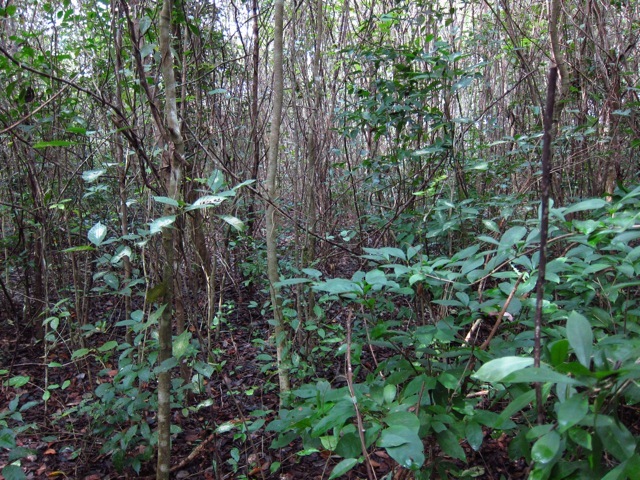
column 322, row 239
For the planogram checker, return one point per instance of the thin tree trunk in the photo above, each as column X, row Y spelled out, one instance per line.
column 172, row 160
column 280, row 332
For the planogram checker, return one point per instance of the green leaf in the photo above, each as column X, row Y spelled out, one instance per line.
column 181, row 344
column 90, row 176
column 108, row 346
column 474, row 434
column 97, row 233
column 512, row 236
column 491, row 225
column 591, row 204
column 166, row 365
column 81, row 248
column 450, row 444
column 616, row 438
column 54, row 143
column 206, row 202
column 546, row 448
column 496, row 370
column 234, row 222
column 81, row 352
column 7, row 438
column 144, row 24
column 403, row 445
column 167, row 201
column 580, row 337
column 406, row 419
column 376, row 277
column 336, row 286
column 343, row 467
column 287, row 282
column 389, row 393
column 542, row 375
column 159, row 223
column 13, row 472
column 572, row 411
column 349, row 445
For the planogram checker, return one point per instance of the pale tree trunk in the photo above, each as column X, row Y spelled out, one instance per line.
column 280, row 332
column 313, row 154
column 172, row 160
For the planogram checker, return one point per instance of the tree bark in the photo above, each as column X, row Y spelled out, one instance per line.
column 280, row 331
column 172, row 161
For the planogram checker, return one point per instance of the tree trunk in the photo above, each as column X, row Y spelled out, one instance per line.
column 280, row 332
column 172, row 160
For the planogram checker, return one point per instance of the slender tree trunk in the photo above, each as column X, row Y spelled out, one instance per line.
column 280, row 332
column 172, row 161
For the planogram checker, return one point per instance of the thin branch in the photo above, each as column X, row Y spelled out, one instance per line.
column 544, row 227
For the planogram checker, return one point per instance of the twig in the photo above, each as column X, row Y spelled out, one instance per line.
column 502, row 313
column 196, row 451
column 544, row 228
column 367, row 461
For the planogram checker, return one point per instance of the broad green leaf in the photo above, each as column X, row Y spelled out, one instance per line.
column 406, row 419
column 159, row 223
column 111, row 280
column 572, row 411
column 376, row 277
column 90, row 176
column 166, row 365
column 167, row 201
column 580, row 337
column 81, row 352
column 496, row 370
column 7, row 438
column 108, row 346
column 450, row 444
column 616, row 438
column 491, row 225
column 287, row 282
column 591, row 204
column 337, row 416
column 474, row 434
column 336, row 286
column 403, row 445
column 206, row 202
column 542, row 375
column 546, row 448
column 343, row 467
column 581, row 437
column 97, row 233
column 181, row 344
column 13, row 472
column 234, row 222
column 389, row 393
column 144, row 24
column 512, row 236
column 216, row 179
column 349, row 445
column 123, row 252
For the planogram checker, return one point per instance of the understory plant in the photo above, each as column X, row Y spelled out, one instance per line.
column 463, row 370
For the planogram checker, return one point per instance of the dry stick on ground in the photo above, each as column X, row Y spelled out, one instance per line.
column 544, row 227
column 367, row 461
column 501, row 315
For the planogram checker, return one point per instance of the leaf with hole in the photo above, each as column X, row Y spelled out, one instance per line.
column 159, row 223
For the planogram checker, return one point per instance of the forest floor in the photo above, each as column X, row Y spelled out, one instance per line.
column 62, row 446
